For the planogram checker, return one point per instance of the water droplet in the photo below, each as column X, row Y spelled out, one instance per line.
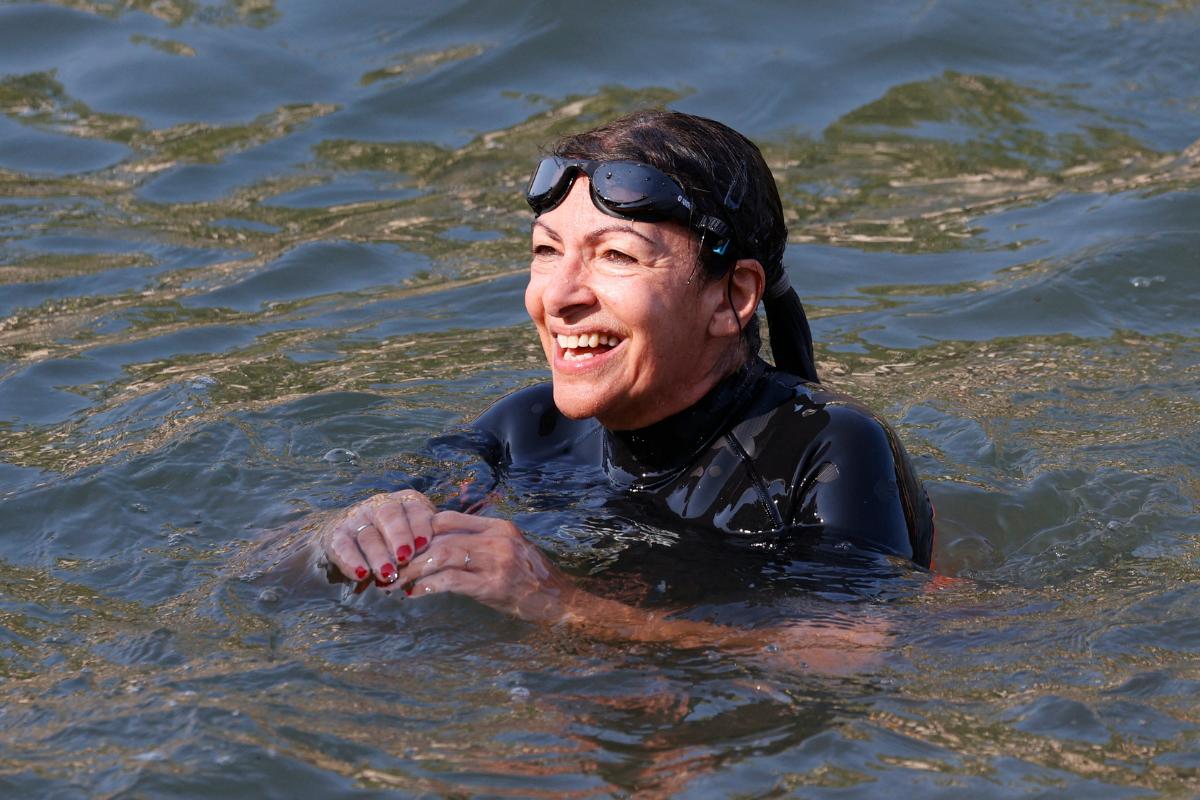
column 340, row 455
column 772, row 648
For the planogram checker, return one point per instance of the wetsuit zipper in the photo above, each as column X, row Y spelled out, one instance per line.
column 760, row 485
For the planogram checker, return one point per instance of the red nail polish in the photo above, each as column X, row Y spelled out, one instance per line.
column 421, row 542
column 360, row 573
column 387, row 571
column 408, row 590
column 403, row 552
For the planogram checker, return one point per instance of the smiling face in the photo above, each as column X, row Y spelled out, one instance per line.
column 629, row 339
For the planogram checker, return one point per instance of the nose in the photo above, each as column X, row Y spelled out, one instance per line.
column 568, row 292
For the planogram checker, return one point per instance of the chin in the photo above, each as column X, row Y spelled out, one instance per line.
column 574, row 404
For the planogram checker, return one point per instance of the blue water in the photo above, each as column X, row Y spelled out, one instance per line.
column 235, row 236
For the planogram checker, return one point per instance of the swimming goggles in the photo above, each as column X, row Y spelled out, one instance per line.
column 625, row 189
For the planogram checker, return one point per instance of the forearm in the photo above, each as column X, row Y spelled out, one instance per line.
column 850, row 647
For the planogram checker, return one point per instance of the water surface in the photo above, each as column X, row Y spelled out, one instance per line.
column 235, row 236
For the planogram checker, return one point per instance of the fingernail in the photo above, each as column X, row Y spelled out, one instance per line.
column 360, row 573
column 420, row 542
column 408, row 590
column 403, row 552
column 387, row 571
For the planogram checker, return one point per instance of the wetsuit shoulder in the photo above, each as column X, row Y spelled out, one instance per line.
column 528, row 427
column 836, row 465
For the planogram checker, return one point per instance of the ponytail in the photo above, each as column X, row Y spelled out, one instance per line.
column 791, row 338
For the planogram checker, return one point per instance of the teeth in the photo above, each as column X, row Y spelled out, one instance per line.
column 585, row 340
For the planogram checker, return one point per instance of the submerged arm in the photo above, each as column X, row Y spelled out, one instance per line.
column 491, row 561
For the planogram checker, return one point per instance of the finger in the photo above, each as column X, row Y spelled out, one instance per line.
column 413, row 510
column 456, row 581
column 371, row 542
column 451, row 552
column 457, row 522
column 420, row 522
column 342, row 551
column 392, row 521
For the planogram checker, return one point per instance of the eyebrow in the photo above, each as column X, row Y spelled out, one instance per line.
column 596, row 234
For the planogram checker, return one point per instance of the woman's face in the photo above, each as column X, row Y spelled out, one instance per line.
column 623, row 313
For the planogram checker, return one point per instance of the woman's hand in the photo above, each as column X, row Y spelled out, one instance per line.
column 379, row 536
column 491, row 561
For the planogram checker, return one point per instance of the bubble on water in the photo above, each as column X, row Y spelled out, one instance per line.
column 1141, row 281
column 140, row 508
column 223, row 759
column 771, row 648
column 269, row 595
column 340, row 455
column 151, row 755
column 518, row 694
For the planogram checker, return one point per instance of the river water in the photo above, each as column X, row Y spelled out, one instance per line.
column 240, row 238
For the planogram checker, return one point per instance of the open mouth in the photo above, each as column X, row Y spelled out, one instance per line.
column 587, row 345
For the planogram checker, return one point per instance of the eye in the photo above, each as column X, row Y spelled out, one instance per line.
column 619, row 257
column 543, row 251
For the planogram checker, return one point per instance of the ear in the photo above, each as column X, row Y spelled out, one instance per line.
column 743, row 287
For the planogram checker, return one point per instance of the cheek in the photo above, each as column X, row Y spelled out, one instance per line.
column 533, row 301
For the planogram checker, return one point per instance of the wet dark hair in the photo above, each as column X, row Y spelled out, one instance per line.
column 724, row 175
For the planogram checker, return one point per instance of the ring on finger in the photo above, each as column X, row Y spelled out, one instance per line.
column 466, row 560
column 361, row 528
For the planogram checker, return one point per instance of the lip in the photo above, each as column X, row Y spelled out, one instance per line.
column 578, row 366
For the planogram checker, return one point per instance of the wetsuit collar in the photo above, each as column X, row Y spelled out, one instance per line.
column 647, row 456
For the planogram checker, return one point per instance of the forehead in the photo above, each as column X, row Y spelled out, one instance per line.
column 577, row 217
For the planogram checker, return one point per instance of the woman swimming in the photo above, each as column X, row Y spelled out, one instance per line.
column 655, row 237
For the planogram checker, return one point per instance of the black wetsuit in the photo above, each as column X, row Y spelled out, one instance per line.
column 763, row 458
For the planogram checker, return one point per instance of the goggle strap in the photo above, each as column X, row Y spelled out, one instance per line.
column 714, row 225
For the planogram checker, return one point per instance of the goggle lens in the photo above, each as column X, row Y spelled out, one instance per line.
column 547, row 185
column 626, row 186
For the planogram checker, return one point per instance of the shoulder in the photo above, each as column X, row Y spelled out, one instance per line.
column 794, row 411
column 850, row 468
column 529, row 426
